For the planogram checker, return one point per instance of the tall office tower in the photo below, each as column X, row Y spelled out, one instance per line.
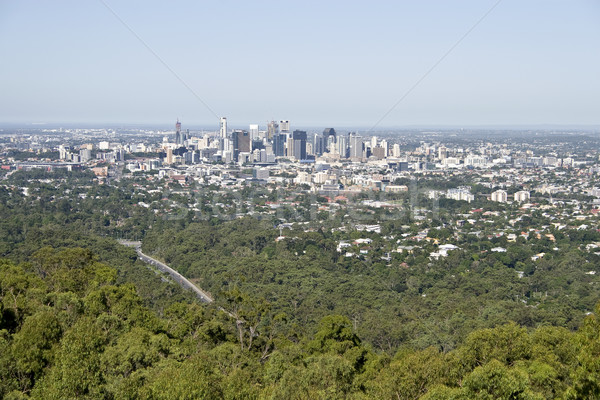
column 178, row 138
column 253, row 131
column 396, row 150
column 341, row 146
column 299, row 151
column 330, row 144
column 284, row 126
column 257, row 144
column 328, row 132
column 85, row 155
column 223, row 128
column 227, row 145
column 223, row 135
column 356, row 146
column 318, row 145
column 309, row 149
column 241, row 143
column 378, row 152
column 62, row 152
column 289, row 146
column 169, row 155
column 272, row 129
column 329, row 139
column 227, row 157
column 386, row 148
column 279, row 145
column 442, row 153
column 374, row 142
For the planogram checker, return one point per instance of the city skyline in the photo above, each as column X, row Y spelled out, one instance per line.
column 335, row 64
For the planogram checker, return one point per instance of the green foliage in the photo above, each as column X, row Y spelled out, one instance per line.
column 81, row 317
column 90, row 338
column 424, row 303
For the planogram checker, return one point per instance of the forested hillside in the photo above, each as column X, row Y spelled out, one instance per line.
column 64, row 211
column 68, row 331
column 82, row 317
column 411, row 300
column 393, row 299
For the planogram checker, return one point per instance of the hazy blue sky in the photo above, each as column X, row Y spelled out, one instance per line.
column 338, row 63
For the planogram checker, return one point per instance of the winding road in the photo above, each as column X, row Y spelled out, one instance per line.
column 180, row 279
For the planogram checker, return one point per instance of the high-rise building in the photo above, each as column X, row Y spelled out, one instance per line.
column 279, row 145
column 341, row 146
column 223, row 145
column 521, row 196
column 386, row 147
column 241, row 142
column 318, row 145
column 356, row 146
column 178, row 138
column 284, row 126
column 299, row 150
column 85, row 155
column 257, row 144
column 253, row 131
column 309, row 149
column 223, row 128
column 289, row 146
column 329, row 139
column 227, row 145
column 500, row 196
column 461, row 193
column 62, row 152
column 442, row 153
column 272, row 129
column 373, row 142
column 378, row 152
column 328, row 132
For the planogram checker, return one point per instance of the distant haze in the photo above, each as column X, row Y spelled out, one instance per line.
column 333, row 63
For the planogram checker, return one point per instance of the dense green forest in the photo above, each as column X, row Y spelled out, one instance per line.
column 410, row 301
column 68, row 331
column 82, row 317
column 59, row 216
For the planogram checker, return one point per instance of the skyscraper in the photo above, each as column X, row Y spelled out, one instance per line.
column 272, row 130
column 442, row 153
column 223, row 128
column 329, row 139
column 223, row 135
column 373, row 142
column 341, row 146
column 178, row 138
column 318, row 144
column 279, row 145
column 253, row 131
column 241, row 142
column 356, row 146
column 328, row 132
column 299, row 140
column 284, row 126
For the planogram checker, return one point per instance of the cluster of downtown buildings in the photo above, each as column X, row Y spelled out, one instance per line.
column 267, row 146
column 325, row 161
